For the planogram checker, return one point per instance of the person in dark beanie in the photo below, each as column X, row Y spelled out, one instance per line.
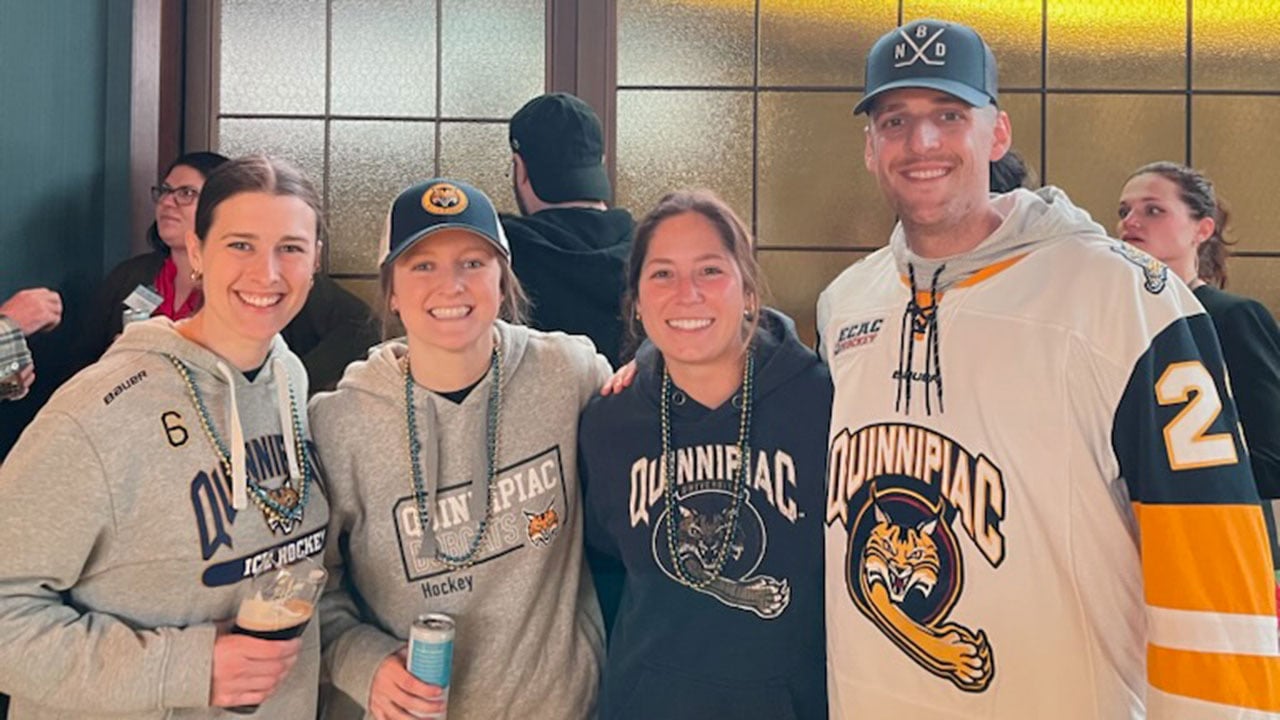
column 568, row 247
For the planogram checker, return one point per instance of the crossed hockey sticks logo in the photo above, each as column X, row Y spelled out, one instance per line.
column 921, row 49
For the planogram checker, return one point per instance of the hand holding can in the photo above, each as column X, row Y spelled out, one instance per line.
column 430, row 657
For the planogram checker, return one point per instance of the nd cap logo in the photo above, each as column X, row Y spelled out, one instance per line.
column 444, row 199
column 922, row 46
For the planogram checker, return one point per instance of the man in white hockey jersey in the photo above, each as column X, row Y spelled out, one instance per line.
column 1038, row 502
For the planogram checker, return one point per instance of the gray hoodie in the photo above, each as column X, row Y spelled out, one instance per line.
column 114, row 497
column 529, row 636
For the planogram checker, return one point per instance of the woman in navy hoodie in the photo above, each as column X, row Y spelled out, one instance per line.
column 718, row 561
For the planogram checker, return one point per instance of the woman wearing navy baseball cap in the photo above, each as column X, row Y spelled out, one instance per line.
column 454, row 451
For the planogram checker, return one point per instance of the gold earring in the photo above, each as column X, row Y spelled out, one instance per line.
column 196, row 276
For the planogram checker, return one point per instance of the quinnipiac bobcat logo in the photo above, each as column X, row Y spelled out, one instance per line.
column 703, row 518
column 1155, row 274
column 902, row 492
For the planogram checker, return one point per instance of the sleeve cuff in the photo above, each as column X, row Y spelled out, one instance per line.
column 188, row 672
column 355, row 658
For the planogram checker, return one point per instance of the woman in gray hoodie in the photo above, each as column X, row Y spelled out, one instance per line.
column 159, row 479
column 454, row 453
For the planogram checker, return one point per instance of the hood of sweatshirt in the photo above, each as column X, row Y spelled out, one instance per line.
column 1031, row 219
column 572, row 263
column 779, row 356
column 206, row 369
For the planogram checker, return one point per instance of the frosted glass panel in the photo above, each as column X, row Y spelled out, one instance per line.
column 686, row 42
column 1024, row 111
column 813, row 187
column 1117, row 43
column 384, row 62
column 371, row 163
column 301, row 142
column 1237, row 45
column 1244, row 171
column 820, row 42
column 1011, row 27
column 479, row 154
column 796, row 279
column 1094, row 142
column 1258, row 278
column 367, row 290
column 273, row 56
column 493, row 58
column 668, row 140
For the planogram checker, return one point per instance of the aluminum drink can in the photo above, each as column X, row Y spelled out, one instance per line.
column 431, row 651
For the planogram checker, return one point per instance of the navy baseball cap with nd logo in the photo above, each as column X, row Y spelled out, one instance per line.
column 932, row 54
column 440, row 204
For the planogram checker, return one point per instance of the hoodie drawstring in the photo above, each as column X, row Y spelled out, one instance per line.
column 239, row 475
column 284, row 403
column 239, row 471
column 919, row 320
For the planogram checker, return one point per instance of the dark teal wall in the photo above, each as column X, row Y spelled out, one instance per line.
column 64, row 154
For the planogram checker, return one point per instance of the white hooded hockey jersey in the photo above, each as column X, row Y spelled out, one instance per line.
column 1039, row 504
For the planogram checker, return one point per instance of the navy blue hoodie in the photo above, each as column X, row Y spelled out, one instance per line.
column 751, row 644
column 571, row 262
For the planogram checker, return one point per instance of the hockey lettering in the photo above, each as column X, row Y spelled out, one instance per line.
column 774, row 478
column 857, row 334
column 971, row 484
column 285, row 554
column 448, row 586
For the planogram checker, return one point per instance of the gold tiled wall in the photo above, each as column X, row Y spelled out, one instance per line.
column 753, row 99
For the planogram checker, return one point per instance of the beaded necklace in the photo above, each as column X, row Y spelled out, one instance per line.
column 271, row 509
column 492, row 416
column 738, row 486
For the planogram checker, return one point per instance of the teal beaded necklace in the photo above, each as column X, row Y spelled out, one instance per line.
column 737, row 487
column 261, row 496
column 492, row 416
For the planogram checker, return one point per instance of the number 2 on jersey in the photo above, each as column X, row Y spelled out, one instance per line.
column 1184, row 439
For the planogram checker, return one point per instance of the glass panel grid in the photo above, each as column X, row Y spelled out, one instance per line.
column 686, row 42
column 386, row 60
column 384, row 63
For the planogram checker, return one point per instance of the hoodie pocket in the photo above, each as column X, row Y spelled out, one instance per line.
column 673, row 694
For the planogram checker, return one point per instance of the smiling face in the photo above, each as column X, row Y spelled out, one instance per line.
column 930, row 153
column 257, row 259
column 1154, row 217
column 690, row 294
column 173, row 220
column 447, row 291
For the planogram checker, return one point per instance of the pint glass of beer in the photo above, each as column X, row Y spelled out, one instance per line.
column 278, row 604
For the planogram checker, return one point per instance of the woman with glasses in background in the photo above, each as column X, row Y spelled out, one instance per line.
column 165, row 272
column 333, row 328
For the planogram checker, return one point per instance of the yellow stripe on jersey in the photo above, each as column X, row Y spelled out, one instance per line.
column 1248, row 681
column 1209, row 558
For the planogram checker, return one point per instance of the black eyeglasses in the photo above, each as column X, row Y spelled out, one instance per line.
column 183, row 195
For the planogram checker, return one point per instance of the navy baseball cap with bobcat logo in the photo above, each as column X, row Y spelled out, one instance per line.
column 932, row 54
column 440, row 204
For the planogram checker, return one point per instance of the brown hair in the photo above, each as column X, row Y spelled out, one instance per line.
column 1198, row 194
column 514, row 307
column 203, row 163
column 255, row 173
column 733, row 232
